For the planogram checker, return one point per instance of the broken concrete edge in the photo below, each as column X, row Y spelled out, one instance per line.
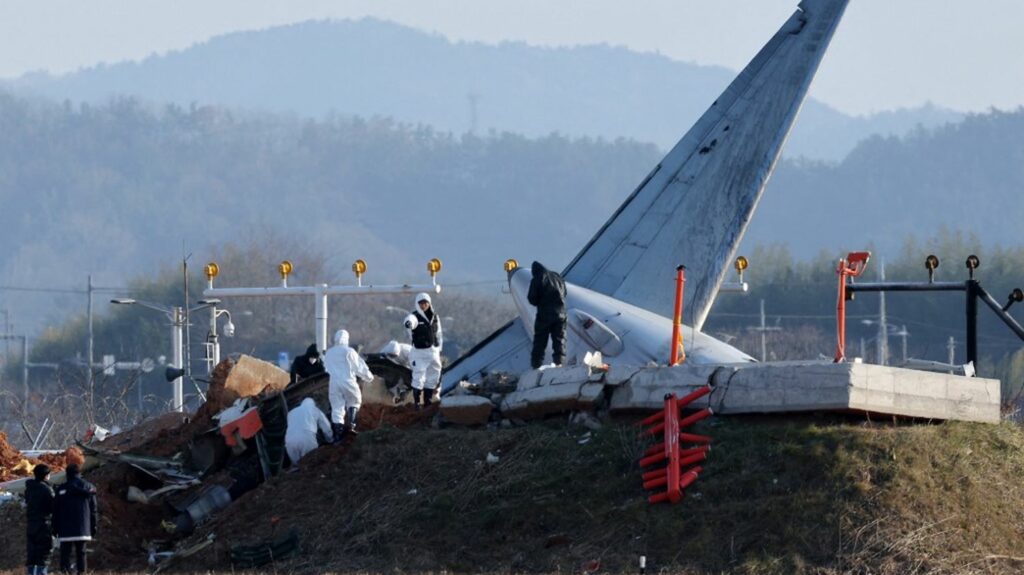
column 777, row 387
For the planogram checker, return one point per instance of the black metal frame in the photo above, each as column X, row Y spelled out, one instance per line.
column 973, row 291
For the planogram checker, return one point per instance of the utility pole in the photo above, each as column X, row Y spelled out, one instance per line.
column 24, row 366
column 951, row 347
column 89, row 345
column 764, row 329
column 883, row 327
column 7, row 331
column 903, row 334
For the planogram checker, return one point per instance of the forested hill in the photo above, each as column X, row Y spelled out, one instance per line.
column 967, row 176
column 121, row 189
column 372, row 68
column 118, row 190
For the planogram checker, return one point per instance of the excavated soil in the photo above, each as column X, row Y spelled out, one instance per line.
column 11, row 457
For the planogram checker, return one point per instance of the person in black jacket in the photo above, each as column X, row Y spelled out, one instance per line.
column 547, row 293
column 74, row 518
column 38, row 511
column 306, row 365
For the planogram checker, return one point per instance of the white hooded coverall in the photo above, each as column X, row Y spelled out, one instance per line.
column 345, row 368
column 426, row 362
column 303, row 421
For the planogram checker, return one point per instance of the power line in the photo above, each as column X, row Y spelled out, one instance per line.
column 68, row 290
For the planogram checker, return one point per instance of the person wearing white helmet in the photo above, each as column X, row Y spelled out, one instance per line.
column 346, row 369
column 424, row 327
column 303, row 423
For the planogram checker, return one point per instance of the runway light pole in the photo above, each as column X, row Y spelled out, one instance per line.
column 176, row 371
column 212, row 341
column 321, row 291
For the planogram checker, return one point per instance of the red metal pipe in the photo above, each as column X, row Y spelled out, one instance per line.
column 652, row 459
column 688, row 478
column 692, row 396
column 656, row 429
column 654, row 474
column 694, row 418
column 657, row 498
column 652, row 418
column 656, row 482
column 694, row 438
column 678, row 355
column 693, row 450
column 689, row 460
column 841, row 313
column 672, row 447
column 655, row 449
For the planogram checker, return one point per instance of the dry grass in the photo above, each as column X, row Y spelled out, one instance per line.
column 797, row 495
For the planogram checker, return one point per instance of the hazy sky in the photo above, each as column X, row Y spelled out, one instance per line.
column 961, row 54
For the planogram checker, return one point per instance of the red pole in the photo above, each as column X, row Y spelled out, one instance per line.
column 693, row 396
column 672, row 445
column 694, row 438
column 841, row 313
column 694, row 418
column 678, row 355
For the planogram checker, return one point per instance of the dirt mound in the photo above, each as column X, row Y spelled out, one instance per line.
column 173, row 431
column 10, row 458
column 124, row 526
column 403, row 416
column 132, row 440
column 778, row 496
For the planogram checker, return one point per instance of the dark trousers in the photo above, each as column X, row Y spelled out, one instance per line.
column 555, row 329
column 40, row 543
column 65, row 556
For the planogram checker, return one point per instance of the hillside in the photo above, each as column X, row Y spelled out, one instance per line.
column 967, row 176
column 780, row 495
column 122, row 189
column 373, row 68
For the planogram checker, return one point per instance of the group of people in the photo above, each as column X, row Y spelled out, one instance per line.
column 347, row 369
column 67, row 513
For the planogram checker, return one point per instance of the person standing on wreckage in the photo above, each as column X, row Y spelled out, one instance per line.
column 424, row 327
column 547, row 293
column 345, row 369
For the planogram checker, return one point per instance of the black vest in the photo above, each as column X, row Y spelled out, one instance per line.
column 425, row 334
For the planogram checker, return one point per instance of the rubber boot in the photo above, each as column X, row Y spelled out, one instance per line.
column 350, row 420
column 428, row 396
column 338, row 430
column 417, row 395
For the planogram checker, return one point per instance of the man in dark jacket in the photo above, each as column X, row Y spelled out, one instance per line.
column 74, row 518
column 547, row 293
column 307, row 365
column 38, row 510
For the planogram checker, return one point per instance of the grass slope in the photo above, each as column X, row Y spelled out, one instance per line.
column 814, row 495
column 779, row 495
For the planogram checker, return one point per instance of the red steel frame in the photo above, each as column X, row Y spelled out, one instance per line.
column 668, row 423
column 851, row 267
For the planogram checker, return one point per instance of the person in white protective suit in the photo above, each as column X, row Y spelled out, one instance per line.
column 346, row 369
column 424, row 327
column 303, row 422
